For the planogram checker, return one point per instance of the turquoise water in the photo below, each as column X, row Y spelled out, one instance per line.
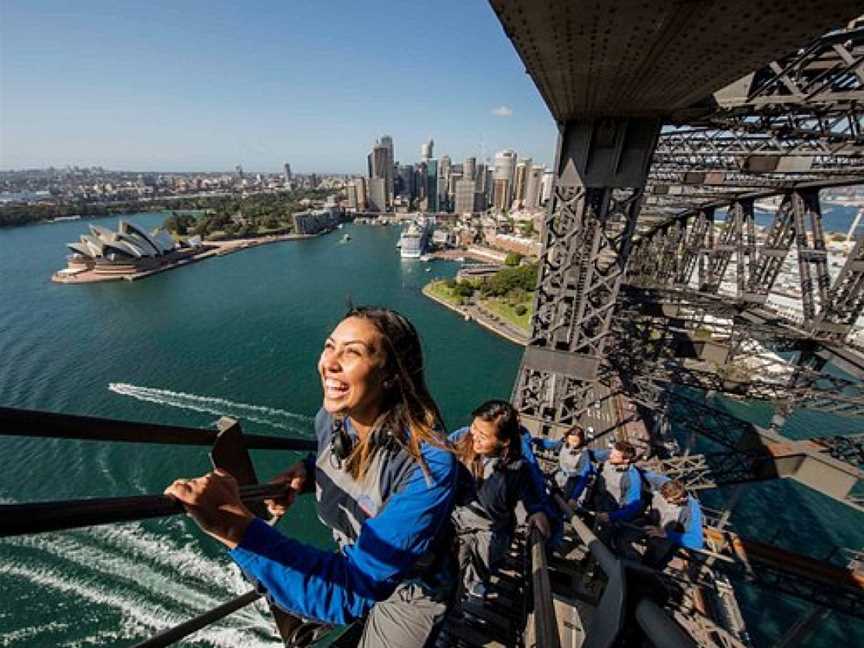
column 240, row 336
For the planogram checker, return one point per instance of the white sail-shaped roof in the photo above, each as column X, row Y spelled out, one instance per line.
column 131, row 228
column 81, row 248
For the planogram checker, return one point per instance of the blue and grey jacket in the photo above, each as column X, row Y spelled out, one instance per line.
column 574, row 466
column 682, row 524
column 391, row 526
column 621, row 489
column 493, row 498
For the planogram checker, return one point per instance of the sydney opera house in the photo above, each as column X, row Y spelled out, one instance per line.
column 129, row 250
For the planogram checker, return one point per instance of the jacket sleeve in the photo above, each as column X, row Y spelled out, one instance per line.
column 538, row 481
column 546, row 444
column 576, row 484
column 339, row 587
column 692, row 537
column 632, row 503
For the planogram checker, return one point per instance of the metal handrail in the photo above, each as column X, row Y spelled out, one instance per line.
column 178, row 632
column 38, row 517
column 33, row 423
column 545, row 621
column 657, row 625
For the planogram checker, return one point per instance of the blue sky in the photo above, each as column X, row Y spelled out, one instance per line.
column 190, row 85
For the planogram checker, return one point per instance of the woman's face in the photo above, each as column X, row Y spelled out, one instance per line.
column 485, row 437
column 351, row 370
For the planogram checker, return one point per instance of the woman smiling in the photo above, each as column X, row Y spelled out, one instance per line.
column 384, row 482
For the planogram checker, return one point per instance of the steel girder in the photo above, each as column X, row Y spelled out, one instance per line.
column 828, row 311
column 602, row 168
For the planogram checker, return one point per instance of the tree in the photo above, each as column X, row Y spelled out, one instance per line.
column 513, row 259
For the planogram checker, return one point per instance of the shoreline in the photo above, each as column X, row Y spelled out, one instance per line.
column 213, row 249
column 476, row 315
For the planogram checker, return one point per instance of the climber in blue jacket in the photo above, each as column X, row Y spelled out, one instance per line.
column 385, row 482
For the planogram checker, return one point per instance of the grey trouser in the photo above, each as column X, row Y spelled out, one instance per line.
column 409, row 618
column 481, row 551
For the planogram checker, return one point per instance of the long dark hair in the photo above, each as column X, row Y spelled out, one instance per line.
column 408, row 405
column 506, row 420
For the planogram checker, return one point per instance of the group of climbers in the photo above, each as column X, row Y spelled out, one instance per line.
column 621, row 495
column 409, row 507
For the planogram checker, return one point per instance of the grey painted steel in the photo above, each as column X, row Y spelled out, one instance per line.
column 654, row 58
column 178, row 632
column 545, row 622
column 39, row 517
column 33, row 423
column 601, row 169
column 662, row 630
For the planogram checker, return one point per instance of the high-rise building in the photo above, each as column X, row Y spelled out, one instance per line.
column 466, row 201
column 406, row 174
column 533, row 188
column 520, row 181
column 426, row 150
column 444, row 170
column 505, row 170
column 432, row 185
column 287, row 172
column 469, row 168
column 379, row 166
column 362, row 194
column 387, row 142
column 377, row 197
column 501, row 194
column 546, row 187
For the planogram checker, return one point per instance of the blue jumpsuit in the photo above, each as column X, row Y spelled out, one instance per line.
column 392, row 528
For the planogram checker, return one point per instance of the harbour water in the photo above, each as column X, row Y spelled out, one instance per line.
column 240, row 336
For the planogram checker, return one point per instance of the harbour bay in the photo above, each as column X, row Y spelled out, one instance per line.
column 240, row 336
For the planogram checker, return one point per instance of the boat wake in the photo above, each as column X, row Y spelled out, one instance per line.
column 270, row 416
column 133, row 582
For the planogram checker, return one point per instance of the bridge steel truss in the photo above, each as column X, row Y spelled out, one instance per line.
column 602, row 168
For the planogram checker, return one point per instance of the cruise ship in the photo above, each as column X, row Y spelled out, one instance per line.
column 414, row 240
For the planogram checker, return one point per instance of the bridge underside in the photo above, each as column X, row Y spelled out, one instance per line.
column 677, row 120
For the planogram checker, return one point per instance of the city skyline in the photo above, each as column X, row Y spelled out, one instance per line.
column 206, row 87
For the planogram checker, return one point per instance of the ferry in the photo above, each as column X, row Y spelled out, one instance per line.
column 345, row 238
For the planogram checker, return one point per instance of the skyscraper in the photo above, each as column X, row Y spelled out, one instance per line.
column 287, row 172
column 387, row 142
column 432, row 185
column 466, row 197
column 443, row 181
column 378, row 162
column 426, row 150
column 406, row 173
column 377, row 198
column 533, row 188
column 520, row 181
column 469, row 168
column 505, row 169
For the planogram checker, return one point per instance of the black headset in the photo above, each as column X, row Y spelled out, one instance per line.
column 342, row 443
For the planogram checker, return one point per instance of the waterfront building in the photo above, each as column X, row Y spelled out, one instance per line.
column 426, row 150
column 129, row 250
column 377, row 194
column 315, row 221
column 432, row 185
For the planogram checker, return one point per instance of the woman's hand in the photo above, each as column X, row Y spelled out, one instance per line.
column 295, row 478
column 213, row 501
